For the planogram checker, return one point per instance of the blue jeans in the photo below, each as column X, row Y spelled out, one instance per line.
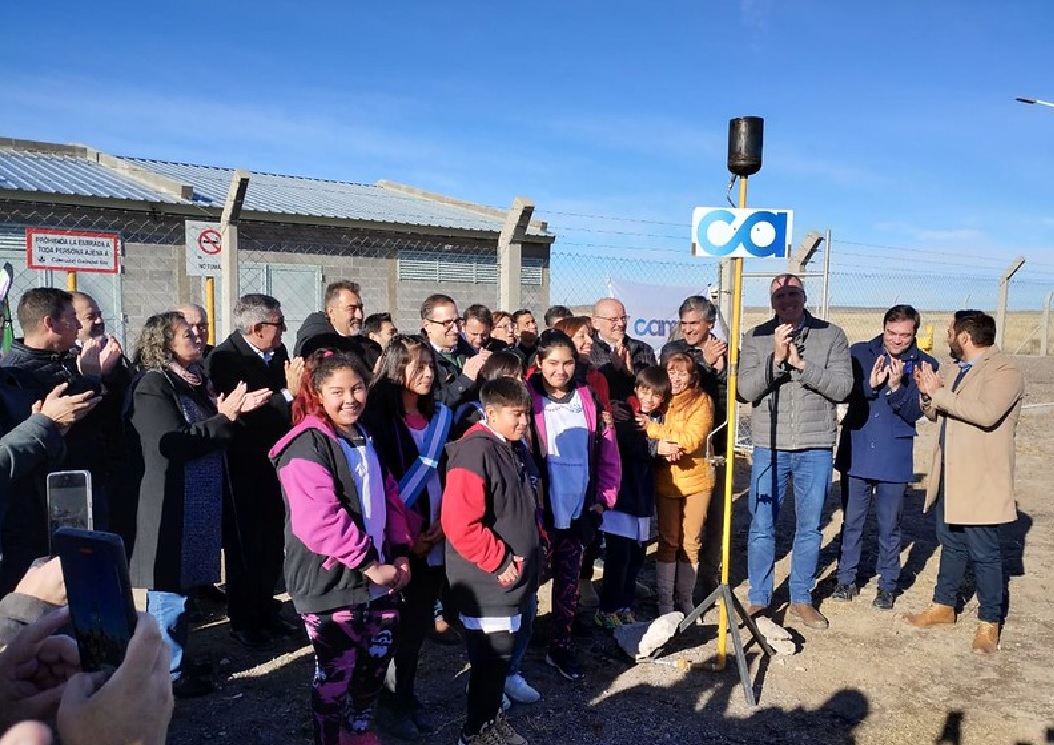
column 889, row 507
column 962, row 545
column 810, row 471
column 170, row 610
column 523, row 637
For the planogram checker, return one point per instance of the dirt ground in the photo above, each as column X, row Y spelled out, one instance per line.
column 869, row 679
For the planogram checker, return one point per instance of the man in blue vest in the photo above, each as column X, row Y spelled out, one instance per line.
column 875, row 451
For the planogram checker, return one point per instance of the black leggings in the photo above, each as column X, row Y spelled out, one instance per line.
column 489, row 656
column 622, row 564
column 415, row 619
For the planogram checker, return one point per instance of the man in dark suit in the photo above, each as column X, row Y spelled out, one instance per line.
column 255, row 519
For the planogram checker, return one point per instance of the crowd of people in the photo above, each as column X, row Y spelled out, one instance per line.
column 411, row 486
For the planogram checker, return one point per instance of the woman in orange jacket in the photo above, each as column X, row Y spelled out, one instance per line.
column 683, row 483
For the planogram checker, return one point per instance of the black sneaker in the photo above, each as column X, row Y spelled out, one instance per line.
column 422, row 717
column 845, row 593
column 565, row 661
column 883, row 599
column 397, row 720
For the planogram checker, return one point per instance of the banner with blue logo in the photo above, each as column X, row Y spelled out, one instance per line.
column 723, row 232
column 652, row 310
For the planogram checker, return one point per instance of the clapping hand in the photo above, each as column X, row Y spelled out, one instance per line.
column 928, row 380
column 110, row 354
column 230, row 405
column 294, row 372
column 65, row 411
column 88, row 361
column 714, row 351
column 255, row 399
column 879, row 372
column 896, row 373
column 781, row 343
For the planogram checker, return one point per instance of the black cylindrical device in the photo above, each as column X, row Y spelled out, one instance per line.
column 745, row 140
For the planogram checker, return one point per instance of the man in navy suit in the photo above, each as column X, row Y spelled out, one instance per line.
column 875, row 452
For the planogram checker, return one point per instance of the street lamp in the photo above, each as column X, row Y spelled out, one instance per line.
column 1038, row 101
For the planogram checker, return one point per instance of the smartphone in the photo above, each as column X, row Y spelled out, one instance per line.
column 69, row 501
column 99, row 594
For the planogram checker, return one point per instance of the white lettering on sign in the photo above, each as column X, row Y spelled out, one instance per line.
column 204, row 247
column 72, row 250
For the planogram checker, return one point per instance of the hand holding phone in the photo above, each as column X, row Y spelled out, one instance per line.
column 100, row 595
column 134, row 705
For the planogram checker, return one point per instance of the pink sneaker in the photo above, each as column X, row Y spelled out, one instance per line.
column 363, row 738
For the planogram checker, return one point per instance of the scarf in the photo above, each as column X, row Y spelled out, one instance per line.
column 192, row 376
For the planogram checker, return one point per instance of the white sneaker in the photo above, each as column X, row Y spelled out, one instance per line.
column 519, row 690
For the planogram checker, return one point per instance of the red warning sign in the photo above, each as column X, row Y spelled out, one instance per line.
column 209, row 241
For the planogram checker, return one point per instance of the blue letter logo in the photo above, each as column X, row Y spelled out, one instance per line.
column 746, row 233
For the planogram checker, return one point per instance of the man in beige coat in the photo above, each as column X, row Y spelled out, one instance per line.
column 971, row 481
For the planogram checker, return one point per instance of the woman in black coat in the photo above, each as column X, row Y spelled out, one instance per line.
column 177, row 435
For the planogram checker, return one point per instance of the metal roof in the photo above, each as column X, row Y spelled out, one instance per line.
column 26, row 169
column 295, row 195
column 67, row 174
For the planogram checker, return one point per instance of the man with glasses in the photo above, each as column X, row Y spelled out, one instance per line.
column 618, row 357
column 255, row 524
column 698, row 316
column 457, row 362
column 794, row 369
column 875, row 451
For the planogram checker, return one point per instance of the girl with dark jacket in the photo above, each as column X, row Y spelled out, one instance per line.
column 410, row 430
column 177, row 436
column 346, row 546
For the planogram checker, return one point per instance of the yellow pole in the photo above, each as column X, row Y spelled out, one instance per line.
column 210, row 307
column 71, row 281
column 731, row 430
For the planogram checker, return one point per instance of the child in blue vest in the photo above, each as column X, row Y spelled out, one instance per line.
column 579, row 464
column 411, row 430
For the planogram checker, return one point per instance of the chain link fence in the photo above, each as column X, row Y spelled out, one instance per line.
column 294, row 262
column 290, row 261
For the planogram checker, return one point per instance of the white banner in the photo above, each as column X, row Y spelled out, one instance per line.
column 652, row 310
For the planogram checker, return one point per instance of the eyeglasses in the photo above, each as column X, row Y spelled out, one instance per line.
column 353, row 307
column 280, row 323
column 614, row 319
column 448, row 323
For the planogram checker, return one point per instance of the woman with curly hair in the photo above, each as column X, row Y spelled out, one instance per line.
column 177, row 433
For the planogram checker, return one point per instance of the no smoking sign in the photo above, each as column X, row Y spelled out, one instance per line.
column 204, row 245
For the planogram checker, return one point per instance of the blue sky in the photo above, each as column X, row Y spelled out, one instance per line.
column 893, row 124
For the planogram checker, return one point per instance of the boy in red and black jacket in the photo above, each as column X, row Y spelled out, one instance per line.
column 492, row 548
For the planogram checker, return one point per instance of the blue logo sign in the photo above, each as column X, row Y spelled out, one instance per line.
column 748, row 233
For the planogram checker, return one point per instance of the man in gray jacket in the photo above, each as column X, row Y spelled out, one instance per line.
column 793, row 370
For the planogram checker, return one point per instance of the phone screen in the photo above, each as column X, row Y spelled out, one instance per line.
column 69, row 500
column 99, row 595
